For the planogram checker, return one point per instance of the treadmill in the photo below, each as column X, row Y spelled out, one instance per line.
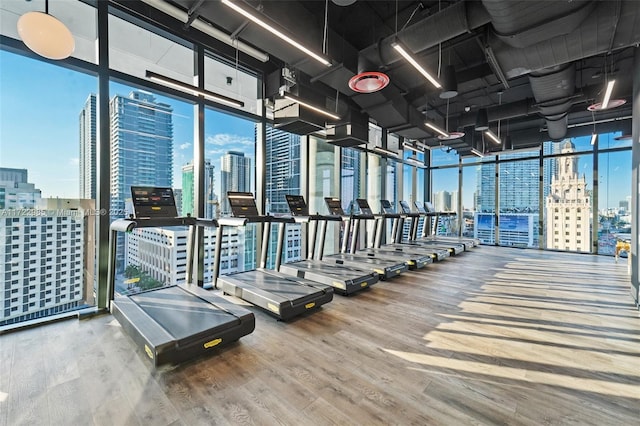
column 414, row 259
column 174, row 323
column 428, row 211
column 281, row 295
column 418, row 254
column 453, row 248
column 346, row 277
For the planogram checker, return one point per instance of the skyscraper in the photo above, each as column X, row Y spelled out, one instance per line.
column 235, row 175
column 518, row 201
column 141, row 149
column 88, row 137
column 282, row 178
column 188, row 190
column 282, row 168
column 568, row 206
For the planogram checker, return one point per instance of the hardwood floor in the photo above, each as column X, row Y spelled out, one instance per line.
column 492, row 336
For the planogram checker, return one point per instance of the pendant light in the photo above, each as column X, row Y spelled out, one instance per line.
column 45, row 34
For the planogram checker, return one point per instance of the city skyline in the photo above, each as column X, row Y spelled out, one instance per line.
column 62, row 95
column 53, row 147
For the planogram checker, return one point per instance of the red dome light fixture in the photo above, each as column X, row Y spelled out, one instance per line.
column 368, row 82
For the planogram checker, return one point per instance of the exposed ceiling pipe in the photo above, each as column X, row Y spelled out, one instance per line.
column 553, row 90
column 592, row 37
column 457, row 19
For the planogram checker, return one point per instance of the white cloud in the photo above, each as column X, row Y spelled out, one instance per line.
column 229, row 141
column 75, row 161
column 185, row 145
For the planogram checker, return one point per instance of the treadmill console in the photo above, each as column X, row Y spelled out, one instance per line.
column 334, row 206
column 242, row 204
column 405, row 207
column 429, row 206
column 153, row 202
column 363, row 205
column 420, row 208
column 387, row 208
column 297, row 205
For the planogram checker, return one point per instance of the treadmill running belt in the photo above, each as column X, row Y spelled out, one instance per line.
column 181, row 314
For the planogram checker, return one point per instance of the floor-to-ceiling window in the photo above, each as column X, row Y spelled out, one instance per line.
column 323, row 178
column 518, row 199
column 47, row 188
column 568, row 195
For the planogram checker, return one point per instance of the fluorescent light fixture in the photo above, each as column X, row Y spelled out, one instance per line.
column 437, row 129
column 176, row 84
column 415, row 162
column 607, row 94
column 477, row 152
column 594, row 137
column 405, row 54
column 385, row 151
column 492, row 136
column 208, row 29
column 275, row 32
column 311, row 107
column 412, row 148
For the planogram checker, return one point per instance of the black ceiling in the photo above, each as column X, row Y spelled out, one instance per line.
column 536, row 65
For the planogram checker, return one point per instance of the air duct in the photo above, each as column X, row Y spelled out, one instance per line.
column 552, row 89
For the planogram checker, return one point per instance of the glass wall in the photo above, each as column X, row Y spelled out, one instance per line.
column 519, row 199
column 283, row 164
column 352, row 170
column 568, row 197
column 324, row 172
column 444, row 197
column 469, row 196
column 230, row 148
column 47, row 188
column 485, row 201
column 614, row 200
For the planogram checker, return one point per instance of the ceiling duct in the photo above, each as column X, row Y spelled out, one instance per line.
column 523, row 23
column 607, row 28
column 552, row 89
column 353, row 131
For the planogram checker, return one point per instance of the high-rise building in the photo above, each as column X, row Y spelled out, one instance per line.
column 235, row 175
column 518, row 201
column 88, row 138
column 141, row 149
column 15, row 191
column 282, row 178
column 282, row 168
column 568, row 206
column 162, row 253
column 44, row 265
column 442, row 200
column 188, row 190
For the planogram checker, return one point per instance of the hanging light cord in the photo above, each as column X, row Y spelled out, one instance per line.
column 326, row 26
column 46, row 6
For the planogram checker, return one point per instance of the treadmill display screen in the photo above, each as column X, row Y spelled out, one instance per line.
column 364, row 206
column 242, row 204
column 297, row 205
column 405, row 207
column 420, row 208
column 430, row 207
column 152, row 202
column 386, row 206
column 333, row 204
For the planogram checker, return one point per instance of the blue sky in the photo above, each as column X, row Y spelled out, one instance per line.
column 39, row 115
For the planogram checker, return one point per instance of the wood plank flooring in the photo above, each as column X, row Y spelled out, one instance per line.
column 492, row 336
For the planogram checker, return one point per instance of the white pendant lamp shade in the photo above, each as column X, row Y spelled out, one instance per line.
column 46, row 35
